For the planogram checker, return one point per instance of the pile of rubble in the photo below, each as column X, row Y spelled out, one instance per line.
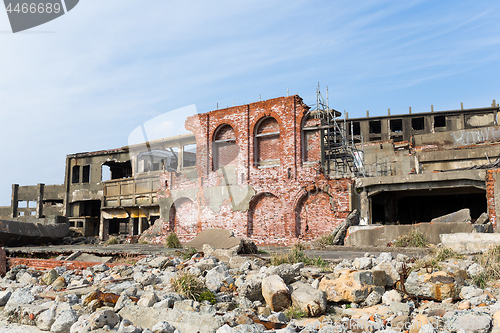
column 371, row 293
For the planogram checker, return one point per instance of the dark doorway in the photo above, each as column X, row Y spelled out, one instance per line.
column 408, row 207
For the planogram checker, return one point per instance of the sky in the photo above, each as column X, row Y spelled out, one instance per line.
column 86, row 80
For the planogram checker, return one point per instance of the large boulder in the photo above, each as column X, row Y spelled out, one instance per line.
column 349, row 286
column 276, row 293
column 184, row 321
column 308, row 299
column 438, row 285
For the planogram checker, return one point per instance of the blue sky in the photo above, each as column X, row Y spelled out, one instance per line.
column 86, row 80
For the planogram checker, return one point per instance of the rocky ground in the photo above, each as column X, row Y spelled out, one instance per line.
column 203, row 294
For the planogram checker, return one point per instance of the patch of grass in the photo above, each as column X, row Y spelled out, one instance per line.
column 129, row 259
column 207, row 296
column 172, row 242
column 444, row 253
column 324, row 240
column 294, row 313
column 188, row 253
column 490, row 261
column 296, row 255
column 188, row 285
column 413, row 238
column 143, row 242
column 112, row 240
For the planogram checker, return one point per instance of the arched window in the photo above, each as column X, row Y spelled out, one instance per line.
column 311, row 139
column 225, row 149
column 267, row 150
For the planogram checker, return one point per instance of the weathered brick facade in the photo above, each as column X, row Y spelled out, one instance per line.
column 254, row 175
column 492, row 195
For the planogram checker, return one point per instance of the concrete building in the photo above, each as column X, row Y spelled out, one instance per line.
column 265, row 171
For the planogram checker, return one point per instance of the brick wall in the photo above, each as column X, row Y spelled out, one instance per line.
column 493, row 195
column 292, row 200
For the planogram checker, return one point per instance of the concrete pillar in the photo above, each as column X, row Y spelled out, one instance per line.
column 364, row 209
column 39, row 202
column 3, row 262
column 103, row 229
column 13, row 202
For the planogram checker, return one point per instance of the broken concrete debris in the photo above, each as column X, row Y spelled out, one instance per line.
column 249, row 297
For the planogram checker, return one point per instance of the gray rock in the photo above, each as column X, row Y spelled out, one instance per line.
column 4, row 297
column 470, row 292
column 45, row 320
column 184, row 321
column 384, row 256
column 145, row 279
column 82, row 325
column 373, row 299
column 21, row 296
column 100, row 268
column 247, row 329
column 103, row 317
column 64, row 321
column 391, row 296
column 474, row 269
column 391, row 272
column 127, row 327
column 362, row 263
column 148, row 299
column 252, row 289
column 163, row 327
column 121, row 302
column 159, row 262
column 310, row 300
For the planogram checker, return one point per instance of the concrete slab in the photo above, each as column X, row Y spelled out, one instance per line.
column 217, row 238
column 382, row 235
column 462, row 216
column 467, row 243
column 92, row 258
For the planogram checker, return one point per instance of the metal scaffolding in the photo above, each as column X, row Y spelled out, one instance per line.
column 339, row 155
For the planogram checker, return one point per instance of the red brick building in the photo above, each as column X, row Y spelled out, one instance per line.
column 257, row 173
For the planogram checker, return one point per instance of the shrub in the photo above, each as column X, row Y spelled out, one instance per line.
column 112, row 240
column 188, row 285
column 295, row 255
column 294, row 313
column 172, row 242
column 324, row 240
column 188, row 253
column 207, row 296
column 414, row 238
column 490, row 261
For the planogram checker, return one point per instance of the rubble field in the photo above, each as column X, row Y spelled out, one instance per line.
column 210, row 291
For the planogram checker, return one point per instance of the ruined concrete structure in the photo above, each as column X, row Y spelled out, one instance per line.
column 258, row 170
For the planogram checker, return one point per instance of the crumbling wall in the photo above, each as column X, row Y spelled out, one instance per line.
column 493, row 195
column 276, row 202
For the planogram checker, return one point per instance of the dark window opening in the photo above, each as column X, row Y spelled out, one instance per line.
column 86, row 174
column 75, row 178
column 439, row 121
column 418, row 124
column 397, row 138
column 375, row 138
column 90, row 208
column 355, row 129
column 396, row 125
column 79, row 224
column 118, row 170
column 375, row 127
